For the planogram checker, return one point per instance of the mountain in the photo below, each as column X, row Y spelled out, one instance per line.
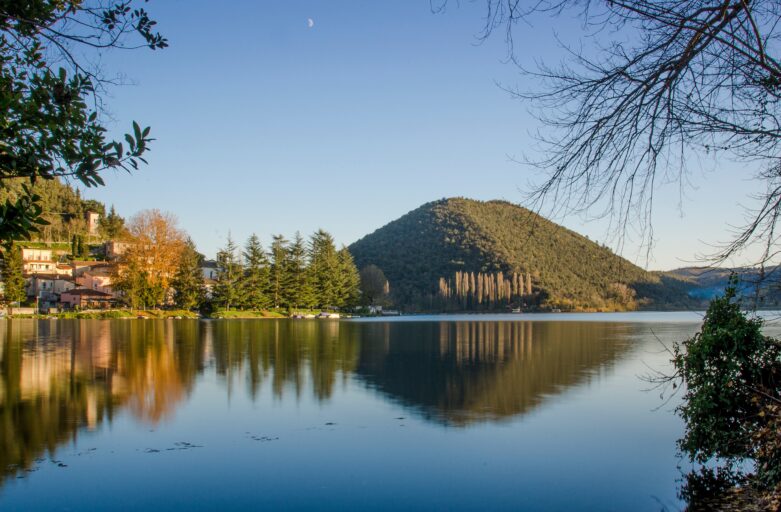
column 462, row 254
column 708, row 282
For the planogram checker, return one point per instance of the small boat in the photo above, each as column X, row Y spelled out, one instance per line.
column 516, row 310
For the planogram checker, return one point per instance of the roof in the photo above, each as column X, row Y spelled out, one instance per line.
column 50, row 276
column 100, row 269
column 209, row 264
column 89, row 263
column 87, row 292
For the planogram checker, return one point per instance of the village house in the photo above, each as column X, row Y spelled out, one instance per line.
column 35, row 261
column 84, row 298
column 96, row 277
column 47, row 288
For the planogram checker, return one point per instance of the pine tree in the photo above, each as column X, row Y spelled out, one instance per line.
column 299, row 286
column 188, row 283
column 324, row 266
column 350, row 280
column 13, row 279
column 278, row 274
column 255, row 282
column 227, row 290
column 112, row 225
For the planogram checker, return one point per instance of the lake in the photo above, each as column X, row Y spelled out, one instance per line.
column 501, row 412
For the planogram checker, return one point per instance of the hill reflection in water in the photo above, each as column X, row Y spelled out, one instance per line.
column 460, row 372
column 58, row 378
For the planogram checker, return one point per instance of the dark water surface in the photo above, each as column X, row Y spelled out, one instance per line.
column 504, row 413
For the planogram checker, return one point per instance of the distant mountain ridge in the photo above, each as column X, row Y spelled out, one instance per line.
column 463, row 254
column 707, row 283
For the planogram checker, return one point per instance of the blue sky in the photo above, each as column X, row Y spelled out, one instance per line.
column 266, row 125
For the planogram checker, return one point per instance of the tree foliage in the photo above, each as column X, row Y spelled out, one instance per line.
column 50, row 97
column 13, row 279
column 255, row 282
column 374, row 285
column 152, row 259
column 187, row 283
column 227, row 292
column 731, row 372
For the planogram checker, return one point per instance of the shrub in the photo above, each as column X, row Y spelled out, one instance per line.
column 730, row 370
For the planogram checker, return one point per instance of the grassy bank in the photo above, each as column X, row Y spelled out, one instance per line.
column 114, row 313
column 237, row 314
column 177, row 313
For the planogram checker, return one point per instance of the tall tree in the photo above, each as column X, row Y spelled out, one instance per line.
column 13, row 278
column 155, row 249
column 349, row 280
column 324, row 268
column 112, row 225
column 374, row 284
column 187, row 283
column 227, row 291
column 278, row 274
column 51, row 97
column 255, row 282
column 298, row 280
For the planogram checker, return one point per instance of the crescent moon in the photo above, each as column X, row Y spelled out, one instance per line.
column 310, row 22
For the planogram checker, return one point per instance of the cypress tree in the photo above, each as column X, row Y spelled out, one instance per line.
column 13, row 279
column 255, row 282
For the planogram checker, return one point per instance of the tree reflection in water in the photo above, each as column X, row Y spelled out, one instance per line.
column 59, row 377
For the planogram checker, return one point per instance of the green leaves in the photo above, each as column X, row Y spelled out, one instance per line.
column 49, row 122
column 729, row 367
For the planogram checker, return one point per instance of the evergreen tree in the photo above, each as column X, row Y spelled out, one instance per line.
column 188, row 280
column 13, row 280
column 112, row 225
column 298, row 281
column 278, row 274
column 324, row 266
column 255, row 282
column 134, row 286
column 83, row 249
column 227, row 291
column 349, row 280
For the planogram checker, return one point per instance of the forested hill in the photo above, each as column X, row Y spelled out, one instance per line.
column 462, row 254
column 63, row 208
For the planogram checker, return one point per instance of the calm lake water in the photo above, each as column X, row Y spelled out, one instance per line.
column 512, row 412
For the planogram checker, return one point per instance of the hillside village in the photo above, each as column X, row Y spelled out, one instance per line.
column 56, row 281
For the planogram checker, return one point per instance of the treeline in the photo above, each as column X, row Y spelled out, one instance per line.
column 291, row 274
column 484, row 290
column 162, row 267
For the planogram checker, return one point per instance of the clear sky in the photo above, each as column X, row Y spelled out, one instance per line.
column 266, row 125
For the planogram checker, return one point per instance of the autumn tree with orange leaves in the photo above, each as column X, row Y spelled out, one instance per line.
column 145, row 270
